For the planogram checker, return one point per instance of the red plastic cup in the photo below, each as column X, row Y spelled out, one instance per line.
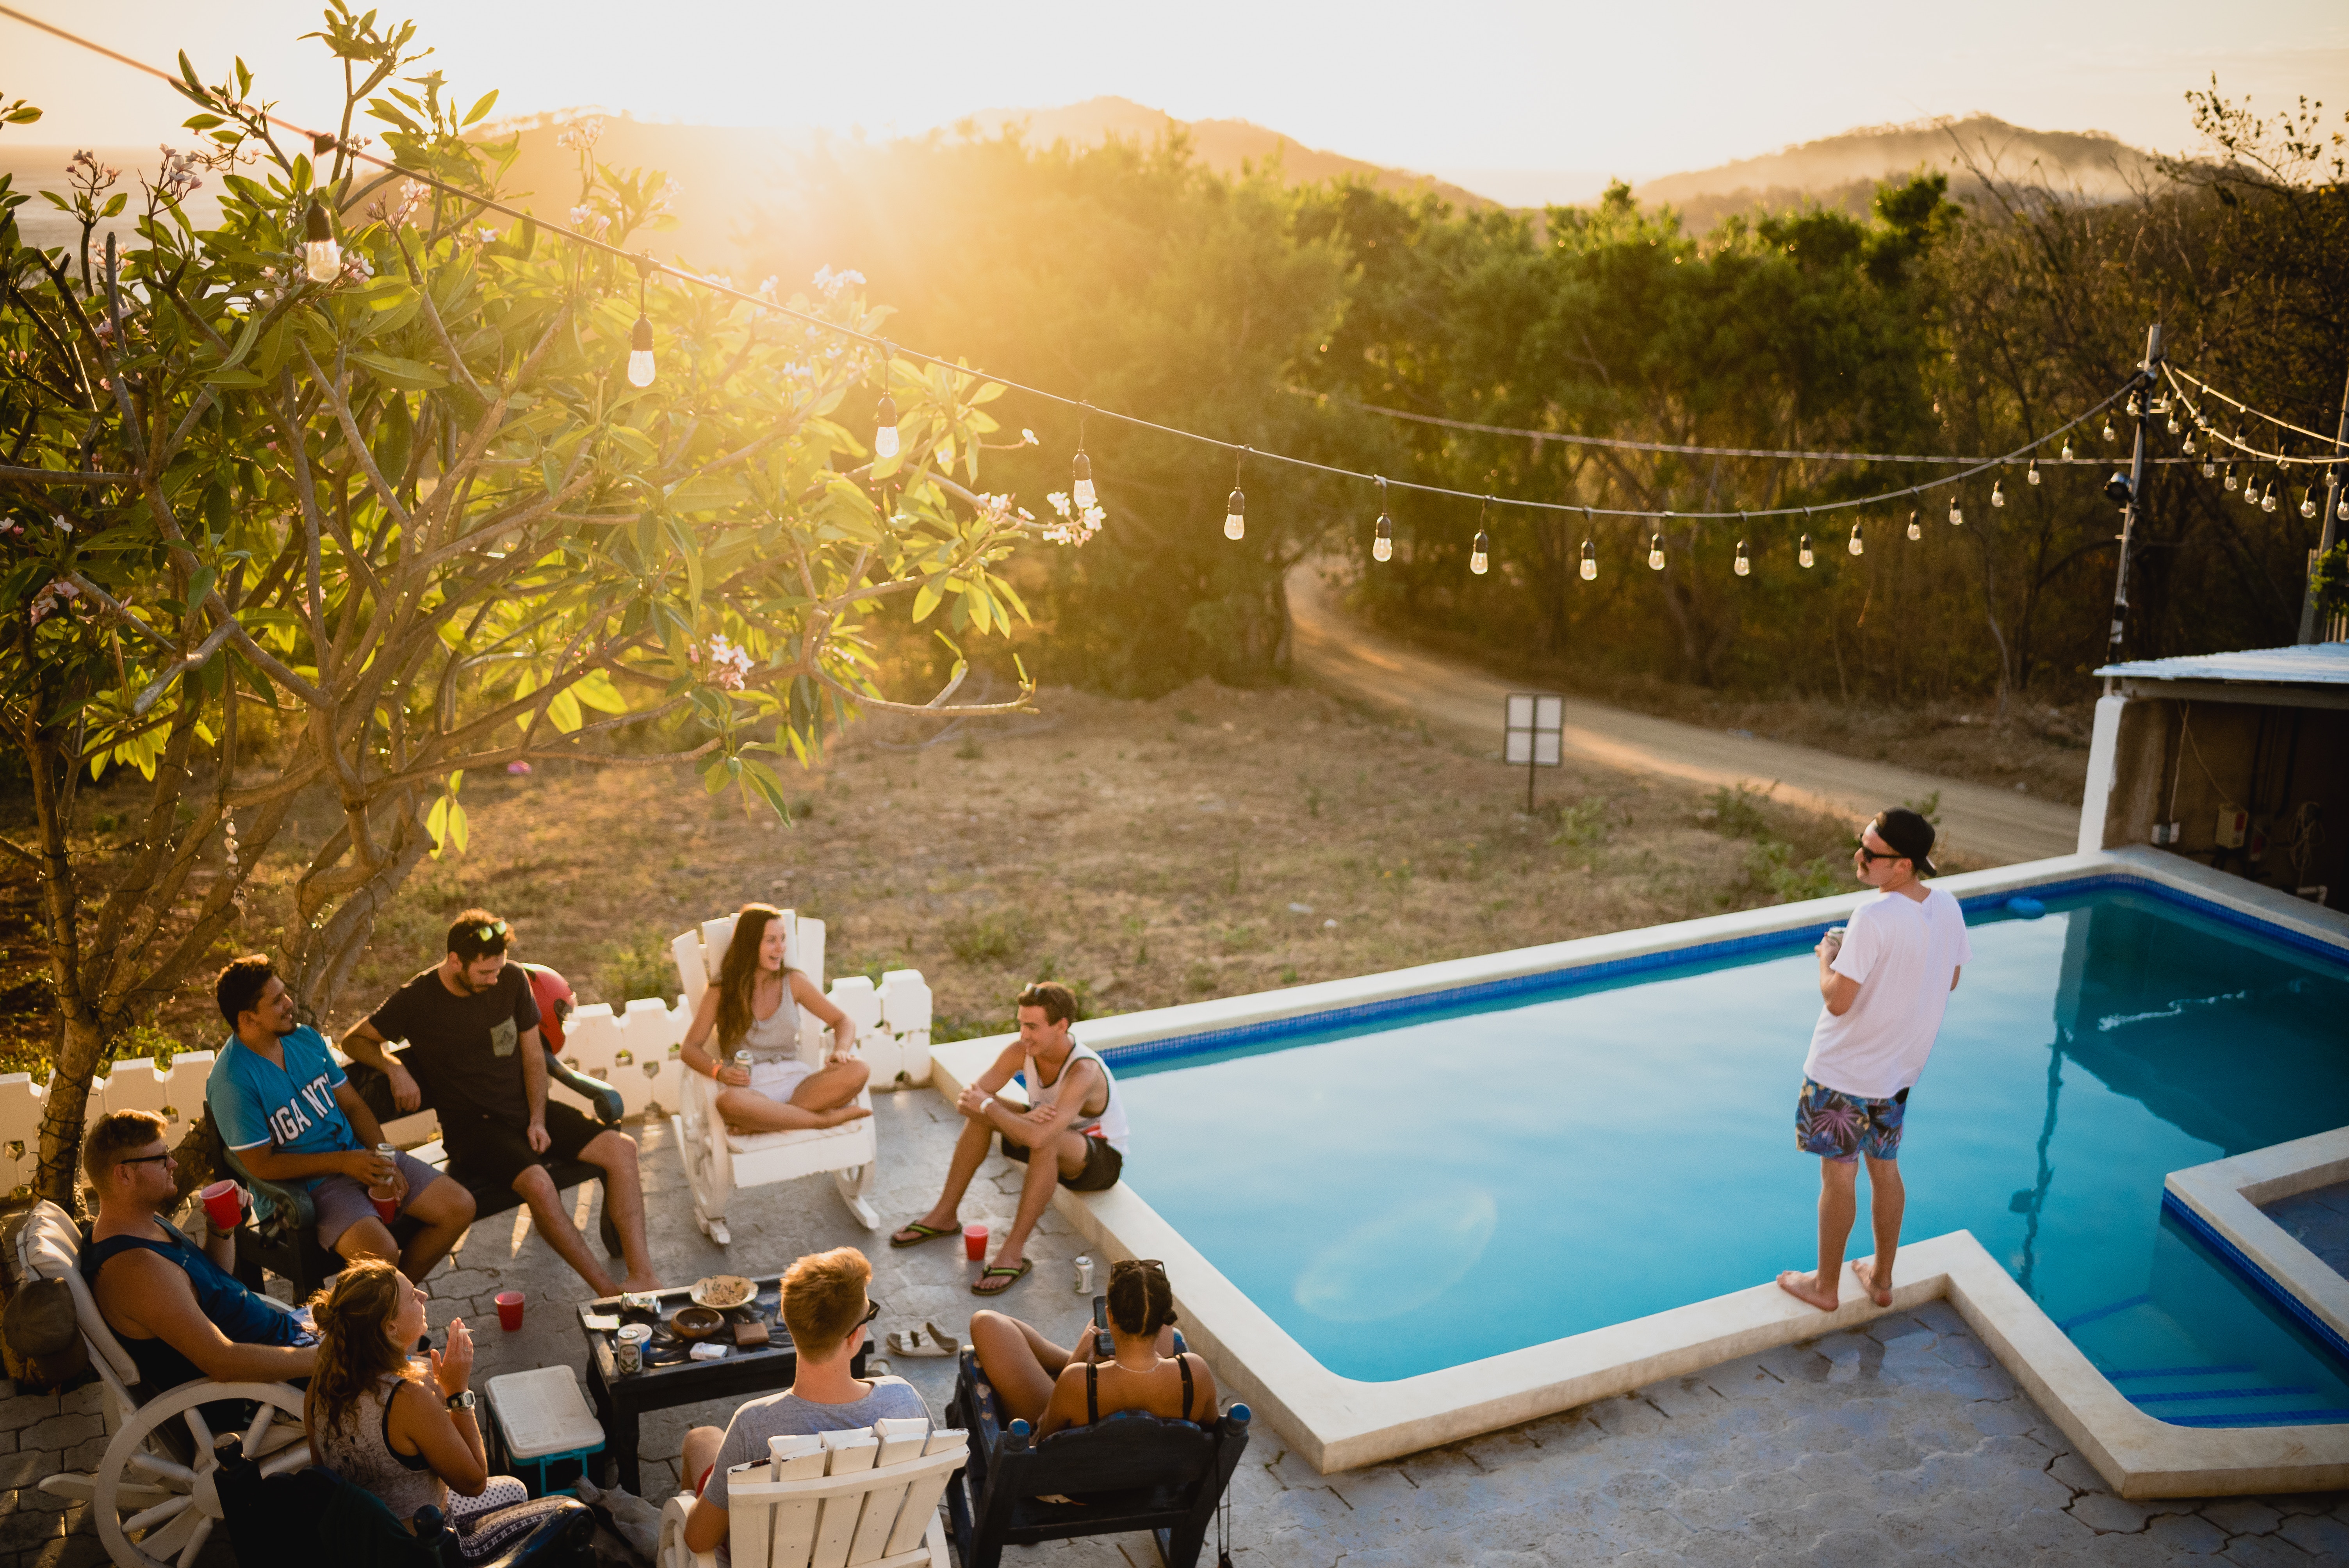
column 387, row 1208
column 974, row 1243
column 224, row 1203
column 509, row 1310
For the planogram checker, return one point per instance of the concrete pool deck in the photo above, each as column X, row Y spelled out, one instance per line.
column 1904, row 1443
column 1338, row 1423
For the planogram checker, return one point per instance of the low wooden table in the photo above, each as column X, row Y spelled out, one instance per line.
column 621, row 1400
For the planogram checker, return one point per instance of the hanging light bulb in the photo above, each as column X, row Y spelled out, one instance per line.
column 1655, row 553
column 1803, row 552
column 1997, row 496
column 640, row 340
column 1590, row 562
column 2187, row 446
column 1855, row 546
column 2067, row 448
column 1081, row 470
column 2268, row 497
column 2231, row 480
column 1235, row 509
column 886, row 440
column 2136, row 408
column 1915, row 529
column 2308, row 502
column 2341, row 507
column 2109, row 433
column 2174, row 426
column 2030, row 474
column 1741, row 566
column 1956, row 513
column 1383, row 536
column 322, row 258
column 2209, row 465
column 1480, row 554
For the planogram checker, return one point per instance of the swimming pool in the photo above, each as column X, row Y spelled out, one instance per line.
column 1457, row 1177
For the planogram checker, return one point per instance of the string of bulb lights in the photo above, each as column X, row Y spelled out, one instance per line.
column 2253, row 491
column 322, row 261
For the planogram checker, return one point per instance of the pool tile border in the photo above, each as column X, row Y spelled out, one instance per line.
column 1338, row 1423
column 2221, row 1203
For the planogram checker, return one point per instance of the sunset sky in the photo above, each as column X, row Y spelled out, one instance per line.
column 1478, row 85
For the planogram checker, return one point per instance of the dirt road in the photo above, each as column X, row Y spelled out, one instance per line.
column 1986, row 825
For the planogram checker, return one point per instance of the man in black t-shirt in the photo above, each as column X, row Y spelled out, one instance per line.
column 472, row 1028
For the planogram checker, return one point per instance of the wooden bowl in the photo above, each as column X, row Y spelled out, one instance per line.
column 722, row 1290
column 696, row 1322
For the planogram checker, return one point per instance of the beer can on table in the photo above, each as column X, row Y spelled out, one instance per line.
column 1084, row 1275
column 629, row 1346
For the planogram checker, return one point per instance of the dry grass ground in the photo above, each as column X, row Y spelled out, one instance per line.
column 1211, row 843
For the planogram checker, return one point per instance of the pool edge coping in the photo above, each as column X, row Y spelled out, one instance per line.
column 2222, row 1203
column 1340, row 1423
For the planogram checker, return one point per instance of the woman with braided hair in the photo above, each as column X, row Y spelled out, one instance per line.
column 1051, row 1387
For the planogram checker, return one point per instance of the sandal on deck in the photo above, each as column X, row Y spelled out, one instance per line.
column 917, row 1342
column 1010, row 1277
column 922, row 1232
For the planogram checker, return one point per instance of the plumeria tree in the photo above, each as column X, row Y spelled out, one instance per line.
column 280, row 523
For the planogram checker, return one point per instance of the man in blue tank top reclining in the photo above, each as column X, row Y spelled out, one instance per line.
column 173, row 1304
column 1072, row 1130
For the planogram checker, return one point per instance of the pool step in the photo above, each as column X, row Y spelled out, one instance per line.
column 2186, row 1393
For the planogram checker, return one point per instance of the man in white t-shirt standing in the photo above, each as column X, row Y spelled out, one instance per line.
column 1885, row 985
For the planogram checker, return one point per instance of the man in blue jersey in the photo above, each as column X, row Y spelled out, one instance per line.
column 280, row 1102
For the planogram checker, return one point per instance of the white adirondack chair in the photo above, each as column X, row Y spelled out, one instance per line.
column 152, row 1491
column 856, row 1499
column 716, row 1161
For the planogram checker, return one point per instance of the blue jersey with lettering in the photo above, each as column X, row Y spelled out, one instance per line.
column 292, row 1108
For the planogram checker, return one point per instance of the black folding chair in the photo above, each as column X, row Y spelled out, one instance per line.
column 1130, row 1471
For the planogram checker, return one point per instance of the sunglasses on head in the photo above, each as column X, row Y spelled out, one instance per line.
column 490, row 932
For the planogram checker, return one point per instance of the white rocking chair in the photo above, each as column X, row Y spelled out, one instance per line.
column 152, row 1491
column 718, row 1161
column 855, row 1498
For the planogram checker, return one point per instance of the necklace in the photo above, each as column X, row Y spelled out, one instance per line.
column 1156, row 1361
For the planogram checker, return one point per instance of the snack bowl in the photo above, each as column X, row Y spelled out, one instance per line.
column 696, row 1322
column 722, row 1290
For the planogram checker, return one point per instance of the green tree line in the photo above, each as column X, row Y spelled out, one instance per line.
column 1269, row 315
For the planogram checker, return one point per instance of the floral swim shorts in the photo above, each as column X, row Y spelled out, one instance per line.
column 1842, row 1126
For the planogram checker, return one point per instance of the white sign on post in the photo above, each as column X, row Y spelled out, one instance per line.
column 1533, row 721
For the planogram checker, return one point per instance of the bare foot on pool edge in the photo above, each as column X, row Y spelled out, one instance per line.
column 835, row 1117
column 1865, row 1272
column 1804, row 1287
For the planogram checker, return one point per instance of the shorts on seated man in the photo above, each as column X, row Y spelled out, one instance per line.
column 284, row 1106
column 826, row 1309
column 173, row 1304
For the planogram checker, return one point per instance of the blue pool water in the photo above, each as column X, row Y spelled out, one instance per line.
column 1467, row 1178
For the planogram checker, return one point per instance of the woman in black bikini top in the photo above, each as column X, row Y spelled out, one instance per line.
column 1051, row 1387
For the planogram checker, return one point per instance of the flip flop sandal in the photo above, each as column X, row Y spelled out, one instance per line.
column 1012, row 1277
column 921, row 1234
column 913, row 1342
column 946, row 1342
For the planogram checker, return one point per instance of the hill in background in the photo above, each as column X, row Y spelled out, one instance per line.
column 1842, row 171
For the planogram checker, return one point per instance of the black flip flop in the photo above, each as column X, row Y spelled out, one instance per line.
column 1017, row 1275
column 921, row 1234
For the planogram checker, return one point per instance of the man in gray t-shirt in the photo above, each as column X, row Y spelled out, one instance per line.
column 826, row 1309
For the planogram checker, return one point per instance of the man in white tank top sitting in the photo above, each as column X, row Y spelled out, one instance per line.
column 1883, row 986
column 1072, row 1130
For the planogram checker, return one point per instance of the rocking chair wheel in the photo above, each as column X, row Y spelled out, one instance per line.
column 144, row 1491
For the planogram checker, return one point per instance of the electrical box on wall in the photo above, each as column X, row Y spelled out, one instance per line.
column 2234, row 823
column 2165, row 834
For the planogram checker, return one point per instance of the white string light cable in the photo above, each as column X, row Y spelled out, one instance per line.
column 2239, row 406
column 323, row 263
column 2265, row 498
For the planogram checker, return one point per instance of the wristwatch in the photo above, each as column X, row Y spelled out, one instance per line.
column 463, row 1400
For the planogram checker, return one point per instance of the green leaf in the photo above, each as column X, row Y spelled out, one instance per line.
column 595, row 688
column 709, row 492
column 406, row 374
column 481, row 107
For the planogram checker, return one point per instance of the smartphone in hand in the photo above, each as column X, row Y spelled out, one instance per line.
column 1105, row 1347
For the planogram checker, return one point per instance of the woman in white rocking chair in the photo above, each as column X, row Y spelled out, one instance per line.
column 754, row 1012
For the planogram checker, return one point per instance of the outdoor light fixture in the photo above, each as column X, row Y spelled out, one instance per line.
column 322, row 258
column 1590, row 562
column 2030, row 474
column 1856, row 547
column 2067, row 448
column 1803, row 552
column 640, row 341
column 1480, row 554
column 2109, row 435
column 2117, row 489
column 1916, row 530
column 1655, row 553
column 1382, row 535
column 1081, row 479
column 2308, row 502
column 2209, row 465
column 1235, row 509
column 2267, row 497
column 1957, row 512
column 2231, row 480
column 2341, row 507
column 2187, row 446
column 1741, row 566
column 1997, row 496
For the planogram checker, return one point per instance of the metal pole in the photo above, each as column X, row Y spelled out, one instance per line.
column 2130, row 513
column 1533, row 756
column 2332, row 510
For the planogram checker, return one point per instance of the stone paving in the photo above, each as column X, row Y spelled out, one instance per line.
column 2319, row 1221
column 1903, row 1444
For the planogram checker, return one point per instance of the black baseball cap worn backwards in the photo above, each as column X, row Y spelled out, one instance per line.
column 1909, row 835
